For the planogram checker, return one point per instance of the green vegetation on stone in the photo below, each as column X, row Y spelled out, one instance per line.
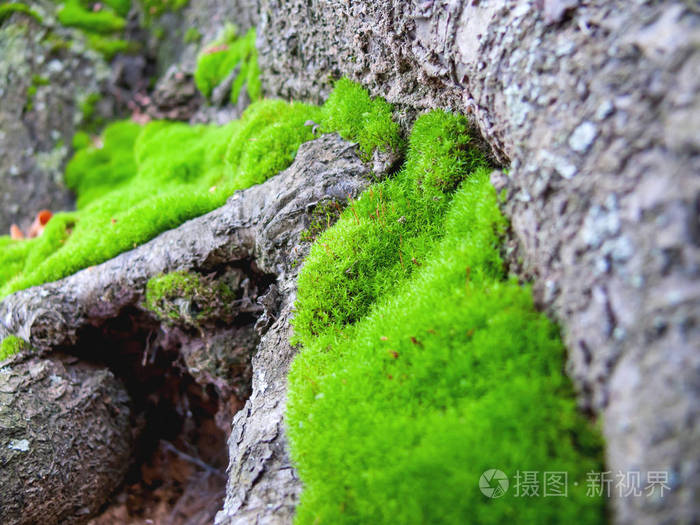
column 377, row 129
column 32, row 90
column 423, row 365
column 109, row 47
column 138, row 181
column 7, row 10
column 188, row 298
column 11, row 345
column 220, row 58
column 75, row 13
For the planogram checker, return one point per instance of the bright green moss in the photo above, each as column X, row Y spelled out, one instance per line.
column 136, row 182
column 350, row 101
column 10, row 346
column 7, row 10
column 109, row 47
column 422, row 365
column 188, row 298
column 391, row 227
column 75, row 14
column 121, row 7
column 218, row 59
column 81, row 140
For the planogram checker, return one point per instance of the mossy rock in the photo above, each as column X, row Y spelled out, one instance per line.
column 191, row 299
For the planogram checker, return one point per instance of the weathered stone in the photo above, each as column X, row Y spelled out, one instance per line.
column 65, row 440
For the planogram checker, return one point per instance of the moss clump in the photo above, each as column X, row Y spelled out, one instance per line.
column 7, row 10
column 218, row 59
column 109, row 47
column 12, row 345
column 422, row 364
column 188, row 298
column 375, row 129
column 136, row 182
column 75, row 13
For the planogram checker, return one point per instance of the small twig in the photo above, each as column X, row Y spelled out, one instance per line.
column 196, row 461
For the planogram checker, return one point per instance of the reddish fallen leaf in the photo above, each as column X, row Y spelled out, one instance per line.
column 40, row 222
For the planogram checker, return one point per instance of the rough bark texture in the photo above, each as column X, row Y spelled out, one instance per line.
column 263, row 223
column 263, row 487
column 596, row 109
column 65, row 440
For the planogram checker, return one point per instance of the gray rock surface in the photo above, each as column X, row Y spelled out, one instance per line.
column 65, row 440
column 36, row 131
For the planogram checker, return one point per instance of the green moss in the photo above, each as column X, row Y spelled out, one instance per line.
column 422, row 364
column 75, row 14
column 87, row 106
column 32, row 90
column 192, row 36
column 7, row 10
column 55, row 43
column 188, row 298
column 11, row 345
column 218, row 59
column 136, row 182
column 351, row 112
column 121, row 7
column 109, row 47
column 38, row 80
column 81, row 140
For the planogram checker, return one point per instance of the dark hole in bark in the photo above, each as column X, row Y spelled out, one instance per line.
column 180, row 422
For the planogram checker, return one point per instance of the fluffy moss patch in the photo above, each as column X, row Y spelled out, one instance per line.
column 219, row 58
column 8, row 9
column 376, row 130
column 423, row 365
column 135, row 182
column 11, row 345
column 75, row 13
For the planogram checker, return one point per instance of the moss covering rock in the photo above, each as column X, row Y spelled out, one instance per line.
column 190, row 299
column 221, row 58
column 423, row 365
column 135, row 182
column 11, row 345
